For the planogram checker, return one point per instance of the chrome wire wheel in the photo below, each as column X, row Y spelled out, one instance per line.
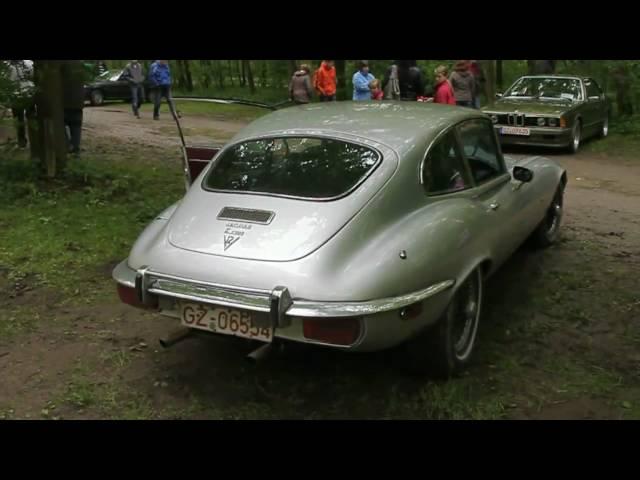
column 465, row 311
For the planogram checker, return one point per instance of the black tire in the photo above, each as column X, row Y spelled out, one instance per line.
column 446, row 349
column 548, row 230
column 576, row 137
column 604, row 130
column 96, row 97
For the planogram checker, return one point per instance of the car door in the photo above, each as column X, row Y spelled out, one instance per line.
column 501, row 201
column 595, row 106
column 119, row 87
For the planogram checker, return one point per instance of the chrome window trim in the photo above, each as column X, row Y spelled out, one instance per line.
column 275, row 135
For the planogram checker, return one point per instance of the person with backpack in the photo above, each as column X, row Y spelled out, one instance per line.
column 160, row 78
column 324, row 81
column 134, row 74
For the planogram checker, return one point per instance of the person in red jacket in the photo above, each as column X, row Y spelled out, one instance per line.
column 324, row 81
column 443, row 91
column 376, row 91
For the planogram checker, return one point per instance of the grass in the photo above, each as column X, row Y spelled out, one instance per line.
column 61, row 231
column 232, row 112
column 623, row 139
column 216, row 110
column 269, row 95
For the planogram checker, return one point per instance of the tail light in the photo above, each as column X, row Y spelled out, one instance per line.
column 336, row 331
column 129, row 296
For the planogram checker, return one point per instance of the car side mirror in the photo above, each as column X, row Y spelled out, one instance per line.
column 498, row 95
column 522, row 174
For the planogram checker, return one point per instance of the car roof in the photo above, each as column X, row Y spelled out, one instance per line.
column 555, row 75
column 397, row 124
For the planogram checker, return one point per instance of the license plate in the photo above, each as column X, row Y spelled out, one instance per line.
column 227, row 321
column 515, row 131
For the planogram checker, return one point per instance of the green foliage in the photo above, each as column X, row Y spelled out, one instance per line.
column 223, row 78
column 7, row 87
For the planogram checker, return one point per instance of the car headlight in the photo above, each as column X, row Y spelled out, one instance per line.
column 553, row 122
column 541, row 121
column 494, row 118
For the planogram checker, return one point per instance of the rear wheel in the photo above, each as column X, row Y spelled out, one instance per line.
column 549, row 229
column 96, row 97
column 446, row 349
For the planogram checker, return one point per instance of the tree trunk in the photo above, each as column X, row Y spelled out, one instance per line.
column 204, row 73
column 499, row 75
column 531, row 66
column 230, row 72
column 341, row 66
column 293, row 66
column 187, row 74
column 247, row 66
column 490, row 77
column 622, row 82
column 220, row 73
column 243, row 72
column 263, row 81
column 51, row 141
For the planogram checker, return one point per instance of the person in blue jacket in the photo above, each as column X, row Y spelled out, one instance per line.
column 160, row 78
column 361, row 80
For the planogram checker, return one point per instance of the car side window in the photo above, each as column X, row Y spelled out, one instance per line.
column 480, row 149
column 443, row 168
column 593, row 90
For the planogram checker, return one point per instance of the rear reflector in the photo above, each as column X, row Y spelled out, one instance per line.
column 129, row 296
column 336, row 331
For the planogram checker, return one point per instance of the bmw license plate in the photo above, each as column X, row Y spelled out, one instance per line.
column 227, row 321
column 515, row 131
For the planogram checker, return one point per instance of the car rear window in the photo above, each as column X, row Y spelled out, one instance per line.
column 308, row 167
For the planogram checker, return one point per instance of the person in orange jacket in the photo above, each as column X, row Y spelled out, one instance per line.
column 324, row 81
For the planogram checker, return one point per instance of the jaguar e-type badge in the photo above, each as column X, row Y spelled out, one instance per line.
column 234, row 232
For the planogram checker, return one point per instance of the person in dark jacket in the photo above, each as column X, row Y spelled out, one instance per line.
column 300, row 86
column 73, row 101
column 463, row 83
column 160, row 78
column 478, row 74
column 410, row 79
column 134, row 73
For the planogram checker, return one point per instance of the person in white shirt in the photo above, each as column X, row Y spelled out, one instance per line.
column 22, row 100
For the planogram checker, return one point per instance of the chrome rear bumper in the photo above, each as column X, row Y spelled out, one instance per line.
column 277, row 302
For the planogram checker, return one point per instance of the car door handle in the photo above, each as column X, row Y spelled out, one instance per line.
column 494, row 206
